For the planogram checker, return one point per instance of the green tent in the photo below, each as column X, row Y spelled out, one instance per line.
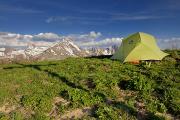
column 139, row 46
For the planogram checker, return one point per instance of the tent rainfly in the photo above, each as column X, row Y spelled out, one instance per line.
column 139, row 46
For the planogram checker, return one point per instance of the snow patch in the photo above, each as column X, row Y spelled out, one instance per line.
column 75, row 46
column 52, row 51
column 32, row 51
column 2, row 49
column 69, row 51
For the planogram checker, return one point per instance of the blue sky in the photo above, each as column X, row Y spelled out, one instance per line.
column 113, row 18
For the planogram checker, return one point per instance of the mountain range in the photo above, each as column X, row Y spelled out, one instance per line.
column 60, row 50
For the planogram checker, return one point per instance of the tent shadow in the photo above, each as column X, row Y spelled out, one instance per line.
column 37, row 67
column 101, row 56
column 123, row 106
column 64, row 80
column 50, row 73
column 133, row 112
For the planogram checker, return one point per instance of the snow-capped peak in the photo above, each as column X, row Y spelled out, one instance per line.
column 32, row 50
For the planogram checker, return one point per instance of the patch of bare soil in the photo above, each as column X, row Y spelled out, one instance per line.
column 26, row 112
column 77, row 113
column 141, row 111
column 57, row 101
column 123, row 94
column 72, row 114
column 7, row 108
column 167, row 116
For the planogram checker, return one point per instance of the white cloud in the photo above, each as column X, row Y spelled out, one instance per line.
column 20, row 10
column 59, row 18
column 136, row 17
column 9, row 39
column 92, row 35
column 102, row 43
column 83, row 38
column 49, row 20
column 92, row 39
column 49, row 37
column 169, row 43
column 42, row 39
column 110, row 17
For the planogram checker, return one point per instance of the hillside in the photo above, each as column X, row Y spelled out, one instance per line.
column 90, row 88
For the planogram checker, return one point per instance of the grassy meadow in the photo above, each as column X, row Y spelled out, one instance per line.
column 90, row 89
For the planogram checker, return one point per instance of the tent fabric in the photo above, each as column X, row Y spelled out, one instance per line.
column 139, row 46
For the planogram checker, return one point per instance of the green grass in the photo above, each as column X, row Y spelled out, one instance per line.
column 91, row 82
